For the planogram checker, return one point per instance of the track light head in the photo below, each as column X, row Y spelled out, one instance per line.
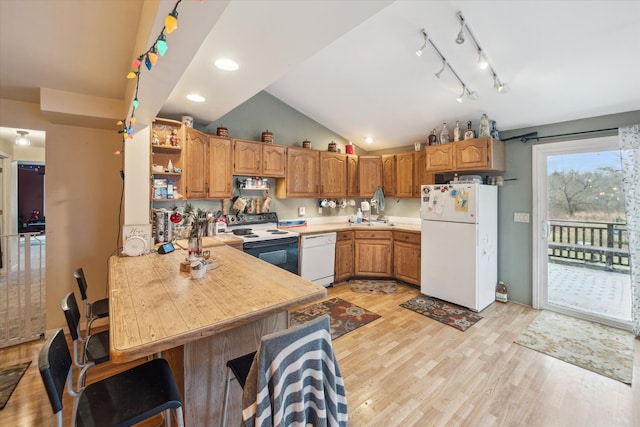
column 460, row 97
column 419, row 51
column 444, row 65
column 460, row 38
column 482, row 61
column 500, row 86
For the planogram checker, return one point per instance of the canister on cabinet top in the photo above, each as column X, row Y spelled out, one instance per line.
column 222, row 131
column 267, row 137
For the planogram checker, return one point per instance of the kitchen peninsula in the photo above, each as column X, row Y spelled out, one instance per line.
column 200, row 324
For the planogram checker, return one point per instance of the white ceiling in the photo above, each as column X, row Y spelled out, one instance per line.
column 349, row 65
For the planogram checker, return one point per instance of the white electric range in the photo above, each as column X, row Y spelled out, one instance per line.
column 263, row 239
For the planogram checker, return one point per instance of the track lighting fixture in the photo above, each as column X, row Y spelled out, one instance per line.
column 483, row 63
column 419, row 51
column 500, row 86
column 445, row 64
column 460, row 38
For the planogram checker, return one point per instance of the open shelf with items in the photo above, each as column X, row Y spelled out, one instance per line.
column 167, row 141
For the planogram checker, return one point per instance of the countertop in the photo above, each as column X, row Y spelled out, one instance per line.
column 329, row 227
column 154, row 307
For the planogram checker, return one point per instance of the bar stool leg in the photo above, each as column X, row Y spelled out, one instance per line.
column 226, row 398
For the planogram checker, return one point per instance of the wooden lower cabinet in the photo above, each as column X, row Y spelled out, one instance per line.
column 406, row 256
column 344, row 256
column 373, row 253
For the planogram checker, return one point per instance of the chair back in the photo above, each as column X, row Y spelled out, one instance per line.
column 55, row 364
column 82, row 283
column 72, row 314
column 295, row 376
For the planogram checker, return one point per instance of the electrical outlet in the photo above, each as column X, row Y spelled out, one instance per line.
column 301, row 211
column 520, row 217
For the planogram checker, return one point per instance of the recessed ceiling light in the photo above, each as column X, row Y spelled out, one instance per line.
column 195, row 97
column 226, row 64
column 368, row 140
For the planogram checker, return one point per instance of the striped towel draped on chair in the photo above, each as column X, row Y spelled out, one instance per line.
column 295, row 380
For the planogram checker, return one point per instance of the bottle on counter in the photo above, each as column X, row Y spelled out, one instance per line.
column 444, row 134
column 433, row 138
column 359, row 216
column 469, row 134
column 457, row 132
column 501, row 292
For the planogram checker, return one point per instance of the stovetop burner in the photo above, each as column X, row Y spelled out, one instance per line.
column 242, row 231
column 257, row 227
column 277, row 232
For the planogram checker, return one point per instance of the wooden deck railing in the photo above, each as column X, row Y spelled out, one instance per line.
column 600, row 244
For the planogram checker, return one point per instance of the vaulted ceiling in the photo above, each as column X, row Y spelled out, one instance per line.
column 349, row 65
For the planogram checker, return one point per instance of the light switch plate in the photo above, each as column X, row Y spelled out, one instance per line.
column 520, row 217
column 301, row 211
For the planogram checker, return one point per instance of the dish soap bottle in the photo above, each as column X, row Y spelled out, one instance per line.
column 359, row 216
column 501, row 292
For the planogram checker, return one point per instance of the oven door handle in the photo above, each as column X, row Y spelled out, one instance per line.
column 268, row 243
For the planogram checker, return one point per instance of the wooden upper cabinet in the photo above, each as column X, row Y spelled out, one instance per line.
column 420, row 175
column 196, row 164
column 301, row 175
column 352, row 176
column 480, row 154
column 440, row 158
column 333, row 174
column 220, row 169
column 369, row 175
column 247, row 156
column 274, row 160
column 404, row 174
column 388, row 174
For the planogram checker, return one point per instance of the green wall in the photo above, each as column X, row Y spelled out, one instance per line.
column 290, row 127
column 515, row 239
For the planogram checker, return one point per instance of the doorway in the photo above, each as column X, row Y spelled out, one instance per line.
column 581, row 253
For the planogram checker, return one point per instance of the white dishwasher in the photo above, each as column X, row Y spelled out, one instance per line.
column 317, row 256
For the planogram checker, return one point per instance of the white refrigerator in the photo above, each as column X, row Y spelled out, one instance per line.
column 459, row 243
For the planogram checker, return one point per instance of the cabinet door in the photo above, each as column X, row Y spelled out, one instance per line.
column 373, row 258
column 344, row 256
column 352, row 176
column 220, row 173
column 246, row 157
column 406, row 256
column 388, row 174
column 404, row 174
column 420, row 174
column 302, row 172
column 440, row 158
column 481, row 154
column 369, row 175
column 472, row 154
column 333, row 174
column 274, row 159
column 196, row 164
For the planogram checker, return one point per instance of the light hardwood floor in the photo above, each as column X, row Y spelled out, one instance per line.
column 407, row 370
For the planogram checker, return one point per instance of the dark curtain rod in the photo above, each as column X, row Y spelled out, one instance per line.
column 534, row 135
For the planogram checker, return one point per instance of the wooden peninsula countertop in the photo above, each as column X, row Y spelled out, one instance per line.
column 154, row 307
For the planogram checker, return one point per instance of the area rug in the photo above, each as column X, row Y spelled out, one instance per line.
column 598, row 348
column 449, row 314
column 9, row 378
column 384, row 287
column 343, row 316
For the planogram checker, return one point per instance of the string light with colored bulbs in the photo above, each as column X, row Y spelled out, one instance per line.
column 149, row 59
